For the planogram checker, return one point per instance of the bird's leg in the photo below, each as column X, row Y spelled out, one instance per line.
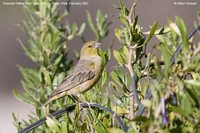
column 83, row 101
column 79, row 99
column 47, row 103
column 76, row 99
column 89, row 106
column 47, row 110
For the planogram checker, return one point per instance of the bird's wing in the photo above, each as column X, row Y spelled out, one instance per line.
column 80, row 74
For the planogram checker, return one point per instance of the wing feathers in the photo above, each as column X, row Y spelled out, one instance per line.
column 77, row 76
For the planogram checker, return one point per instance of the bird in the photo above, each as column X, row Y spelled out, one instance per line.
column 83, row 76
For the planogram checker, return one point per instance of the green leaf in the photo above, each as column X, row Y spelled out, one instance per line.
column 114, row 86
column 99, row 128
column 119, row 76
column 102, row 54
column 118, row 57
column 25, row 98
column 141, row 119
column 53, row 28
column 175, row 28
column 91, row 23
column 28, row 52
column 82, row 29
column 63, row 127
column 108, row 55
column 58, row 60
column 128, row 36
column 104, row 78
column 114, row 130
column 135, row 24
column 160, row 31
column 31, row 76
column 53, row 124
column 118, row 35
column 74, row 29
column 186, row 103
column 124, row 53
column 146, row 103
column 152, row 32
column 100, row 19
column 192, row 82
column 181, row 25
column 179, row 110
column 47, row 77
column 166, row 57
column 120, row 110
column 124, row 21
column 113, row 75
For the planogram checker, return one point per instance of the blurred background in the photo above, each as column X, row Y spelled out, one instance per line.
column 11, row 53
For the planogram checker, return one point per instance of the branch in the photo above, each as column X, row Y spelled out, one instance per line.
column 132, row 12
column 59, row 113
column 130, row 68
column 179, row 48
column 129, row 65
column 172, row 61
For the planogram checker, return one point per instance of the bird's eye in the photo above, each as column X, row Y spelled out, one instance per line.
column 90, row 46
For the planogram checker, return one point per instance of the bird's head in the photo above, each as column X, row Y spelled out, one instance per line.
column 90, row 49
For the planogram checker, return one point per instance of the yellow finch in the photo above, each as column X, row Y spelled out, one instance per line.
column 83, row 76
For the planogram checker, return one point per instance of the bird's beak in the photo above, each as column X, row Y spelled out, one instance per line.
column 96, row 45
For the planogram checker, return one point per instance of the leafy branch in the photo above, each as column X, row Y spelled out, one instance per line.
column 71, row 108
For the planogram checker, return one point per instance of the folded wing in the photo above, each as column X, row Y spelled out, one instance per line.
column 80, row 74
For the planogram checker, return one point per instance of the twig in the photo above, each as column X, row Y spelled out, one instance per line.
column 59, row 113
column 132, row 12
column 129, row 64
